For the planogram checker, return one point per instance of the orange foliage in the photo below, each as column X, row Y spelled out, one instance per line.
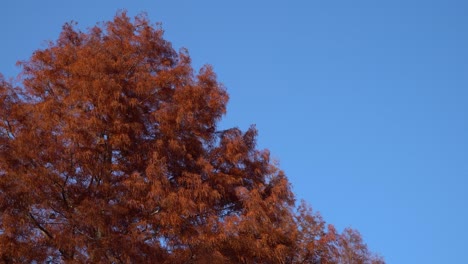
column 109, row 152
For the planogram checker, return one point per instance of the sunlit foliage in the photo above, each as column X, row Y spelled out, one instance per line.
column 110, row 153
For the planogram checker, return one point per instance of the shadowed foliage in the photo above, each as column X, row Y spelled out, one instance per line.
column 110, row 152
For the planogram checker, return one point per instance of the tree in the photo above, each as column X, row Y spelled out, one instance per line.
column 110, row 152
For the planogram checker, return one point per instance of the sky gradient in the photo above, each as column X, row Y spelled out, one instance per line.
column 363, row 103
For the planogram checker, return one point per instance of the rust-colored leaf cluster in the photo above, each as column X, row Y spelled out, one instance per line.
column 110, row 153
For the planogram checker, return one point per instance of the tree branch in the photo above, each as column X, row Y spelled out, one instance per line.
column 38, row 225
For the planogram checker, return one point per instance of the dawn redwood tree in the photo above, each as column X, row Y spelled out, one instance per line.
column 110, row 152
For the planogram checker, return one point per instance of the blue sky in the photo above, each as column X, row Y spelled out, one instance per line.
column 364, row 103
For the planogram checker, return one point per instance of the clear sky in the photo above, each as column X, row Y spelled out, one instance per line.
column 363, row 102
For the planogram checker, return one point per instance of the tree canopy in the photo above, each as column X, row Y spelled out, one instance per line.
column 110, row 152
